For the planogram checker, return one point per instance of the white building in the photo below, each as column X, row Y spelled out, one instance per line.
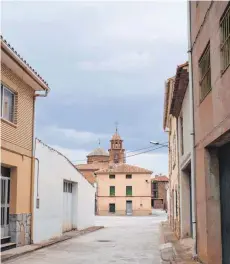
column 63, row 198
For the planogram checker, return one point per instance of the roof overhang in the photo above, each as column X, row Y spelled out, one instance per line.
column 21, row 68
column 180, row 87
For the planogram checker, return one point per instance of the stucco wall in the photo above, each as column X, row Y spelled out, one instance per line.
column 141, row 193
column 140, row 205
column 53, row 170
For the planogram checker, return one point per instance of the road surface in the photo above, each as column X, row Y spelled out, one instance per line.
column 123, row 240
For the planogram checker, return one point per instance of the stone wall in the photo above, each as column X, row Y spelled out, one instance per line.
column 20, row 228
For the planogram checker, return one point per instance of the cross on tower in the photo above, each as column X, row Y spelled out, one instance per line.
column 116, row 125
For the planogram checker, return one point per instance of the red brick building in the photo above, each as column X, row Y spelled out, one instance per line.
column 210, row 42
column 159, row 186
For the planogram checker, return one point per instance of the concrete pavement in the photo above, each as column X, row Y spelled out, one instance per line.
column 123, row 240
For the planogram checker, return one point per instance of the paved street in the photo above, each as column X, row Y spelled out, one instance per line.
column 123, row 240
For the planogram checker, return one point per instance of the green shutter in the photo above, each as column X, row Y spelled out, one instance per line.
column 128, row 190
column 112, row 191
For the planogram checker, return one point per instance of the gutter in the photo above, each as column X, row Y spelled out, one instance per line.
column 192, row 133
column 33, row 165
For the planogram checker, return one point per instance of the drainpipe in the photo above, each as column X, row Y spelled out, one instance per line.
column 33, row 164
column 192, row 133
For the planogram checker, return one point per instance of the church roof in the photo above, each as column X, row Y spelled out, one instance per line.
column 98, row 152
column 116, row 136
column 123, row 168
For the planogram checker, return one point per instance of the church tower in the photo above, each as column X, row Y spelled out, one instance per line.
column 116, row 151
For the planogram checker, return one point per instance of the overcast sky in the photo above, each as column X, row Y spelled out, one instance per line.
column 104, row 62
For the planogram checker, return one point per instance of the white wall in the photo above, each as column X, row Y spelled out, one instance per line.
column 54, row 168
column 185, row 113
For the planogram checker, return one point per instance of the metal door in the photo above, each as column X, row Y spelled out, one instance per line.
column 129, row 208
column 5, row 205
column 67, row 206
column 224, row 163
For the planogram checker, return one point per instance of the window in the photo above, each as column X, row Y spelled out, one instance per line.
column 112, row 208
column 129, row 191
column 225, row 39
column 67, row 187
column 112, row 176
column 174, row 151
column 8, row 104
column 128, row 176
column 112, row 191
column 205, row 73
column 181, row 136
column 155, row 194
column 155, row 185
column 116, row 158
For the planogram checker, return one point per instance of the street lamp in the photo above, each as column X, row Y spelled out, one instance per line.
column 159, row 144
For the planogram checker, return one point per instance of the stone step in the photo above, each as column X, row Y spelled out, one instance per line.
column 7, row 246
column 5, row 239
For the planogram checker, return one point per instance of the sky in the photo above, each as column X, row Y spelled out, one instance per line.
column 105, row 62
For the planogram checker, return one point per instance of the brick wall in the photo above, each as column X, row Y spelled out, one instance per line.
column 18, row 137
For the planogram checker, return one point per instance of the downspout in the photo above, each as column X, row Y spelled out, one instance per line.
column 33, row 164
column 192, row 132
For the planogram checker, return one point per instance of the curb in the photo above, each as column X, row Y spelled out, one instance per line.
column 50, row 243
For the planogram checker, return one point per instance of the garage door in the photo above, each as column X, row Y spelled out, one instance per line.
column 67, row 206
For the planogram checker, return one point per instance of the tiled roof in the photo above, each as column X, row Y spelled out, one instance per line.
column 123, row 168
column 180, row 86
column 98, row 152
column 91, row 166
column 161, row 179
column 4, row 42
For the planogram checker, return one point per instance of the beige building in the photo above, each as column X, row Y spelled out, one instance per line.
column 121, row 188
column 170, row 126
column 19, row 86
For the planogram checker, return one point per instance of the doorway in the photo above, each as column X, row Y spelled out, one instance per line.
column 224, row 167
column 5, row 201
column 129, row 208
column 67, row 206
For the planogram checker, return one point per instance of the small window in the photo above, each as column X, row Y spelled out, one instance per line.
column 112, row 208
column 8, row 104
column 129, row 190
column 112, row 176
column 155, row 194
column 128, row 176
column 112, row 191
column 155, row 185
column 205, row 73
column 225, row 39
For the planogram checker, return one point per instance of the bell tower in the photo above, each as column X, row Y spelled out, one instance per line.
column 116, row 151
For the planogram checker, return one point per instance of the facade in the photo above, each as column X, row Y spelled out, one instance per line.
column 64, row 189
column 159, row 187
column 210, row 39
column 180, row 109
column 123, row 190
column 20, row 85
column 170, row 126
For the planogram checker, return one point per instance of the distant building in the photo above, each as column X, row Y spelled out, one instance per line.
column 159, row 187
column 121, row 188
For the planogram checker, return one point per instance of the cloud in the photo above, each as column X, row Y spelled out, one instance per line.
column 125, row 62
column 72, row 135
column 157, row 162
